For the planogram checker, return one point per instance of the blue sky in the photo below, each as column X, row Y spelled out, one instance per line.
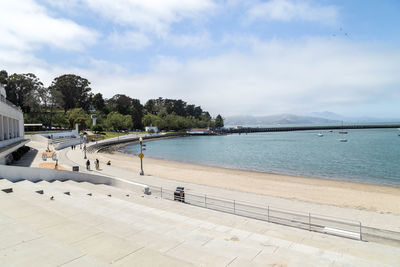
column 231, row 57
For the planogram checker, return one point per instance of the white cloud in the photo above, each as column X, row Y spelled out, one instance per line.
column 154, row 16
column 251, row 77
column 287, row 10
column 266, row 78
column 25, row 25
column 129, row 40
column 271, row 77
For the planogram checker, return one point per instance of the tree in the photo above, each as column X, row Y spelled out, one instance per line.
column 97, row 128
column 190, row 110
column 137, row 114
column 148, row 119
column 197, row 112
column 3, row 77
column 72, row 91
column 118, row 121
column 179, row 107
column 98, row 102
column 219, row 121
column 121, row 104
column 22, row 90
column 77, row 116
column 127, row 122
column 150, row 106
column 59, row 119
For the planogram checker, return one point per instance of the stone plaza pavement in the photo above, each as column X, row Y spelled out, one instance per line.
column 96, row 225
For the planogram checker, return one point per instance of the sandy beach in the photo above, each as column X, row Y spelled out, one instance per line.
column 324, row 191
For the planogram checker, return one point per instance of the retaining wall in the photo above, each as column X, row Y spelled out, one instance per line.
column 123, row 140
column 15, row 174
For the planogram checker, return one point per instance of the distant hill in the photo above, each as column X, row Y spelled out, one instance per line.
column 246, row 120
column 334, row 116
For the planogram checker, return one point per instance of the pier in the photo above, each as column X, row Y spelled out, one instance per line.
column 308, row 128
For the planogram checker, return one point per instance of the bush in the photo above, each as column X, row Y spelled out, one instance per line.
column 97, row 128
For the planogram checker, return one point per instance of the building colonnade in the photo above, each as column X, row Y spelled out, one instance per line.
column 9, row 128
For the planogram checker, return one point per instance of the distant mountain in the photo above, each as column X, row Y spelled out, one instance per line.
column 328, row 115
column 244, row 120
column 334, row 116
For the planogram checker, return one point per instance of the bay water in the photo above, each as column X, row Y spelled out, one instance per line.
column 368, row 156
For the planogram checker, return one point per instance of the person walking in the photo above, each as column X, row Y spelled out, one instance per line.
column 88, row 165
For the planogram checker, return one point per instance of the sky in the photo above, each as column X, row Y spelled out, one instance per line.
column 232, row 57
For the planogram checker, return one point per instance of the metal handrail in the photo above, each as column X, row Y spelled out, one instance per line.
column 292, row 219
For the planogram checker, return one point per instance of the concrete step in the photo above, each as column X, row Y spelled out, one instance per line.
column 100, row 188
column 5, row 183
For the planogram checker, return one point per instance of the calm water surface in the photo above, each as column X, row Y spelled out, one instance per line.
column 369, row 156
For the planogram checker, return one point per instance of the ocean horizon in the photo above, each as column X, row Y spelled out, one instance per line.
column 368, row 155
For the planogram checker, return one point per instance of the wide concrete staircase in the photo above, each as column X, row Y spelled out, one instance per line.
column 82, row 224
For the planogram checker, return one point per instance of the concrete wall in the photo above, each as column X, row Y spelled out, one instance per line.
column 128, row 139
column 15, row 174
column 67, row 134
column 38, row 138
column 75, row 141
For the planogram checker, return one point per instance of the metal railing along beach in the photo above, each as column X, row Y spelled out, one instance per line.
column 303, row 220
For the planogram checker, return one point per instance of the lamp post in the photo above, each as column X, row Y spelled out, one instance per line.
column 84, row 146
column 141, row 155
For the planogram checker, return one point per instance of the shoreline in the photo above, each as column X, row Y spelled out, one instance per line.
column 381, row 198
column 328, row 178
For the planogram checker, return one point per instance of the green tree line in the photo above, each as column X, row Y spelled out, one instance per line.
column 70, row 100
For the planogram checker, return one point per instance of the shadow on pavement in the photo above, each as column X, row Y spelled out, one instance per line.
column 26, row 159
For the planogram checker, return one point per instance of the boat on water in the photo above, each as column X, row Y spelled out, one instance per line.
column 320, row 134
column 342, row 140
column 343, row 132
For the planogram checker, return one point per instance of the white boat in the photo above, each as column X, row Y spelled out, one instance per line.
column 320, row 134
column 343, row 140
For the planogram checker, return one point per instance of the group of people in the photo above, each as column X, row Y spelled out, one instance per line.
column 73, row 147
column 96, row 164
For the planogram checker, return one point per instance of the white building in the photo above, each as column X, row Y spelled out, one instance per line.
column 11, row 127
column 199, row 131
column 149, row 128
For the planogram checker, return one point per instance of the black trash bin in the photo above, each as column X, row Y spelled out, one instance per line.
column 179, row 194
